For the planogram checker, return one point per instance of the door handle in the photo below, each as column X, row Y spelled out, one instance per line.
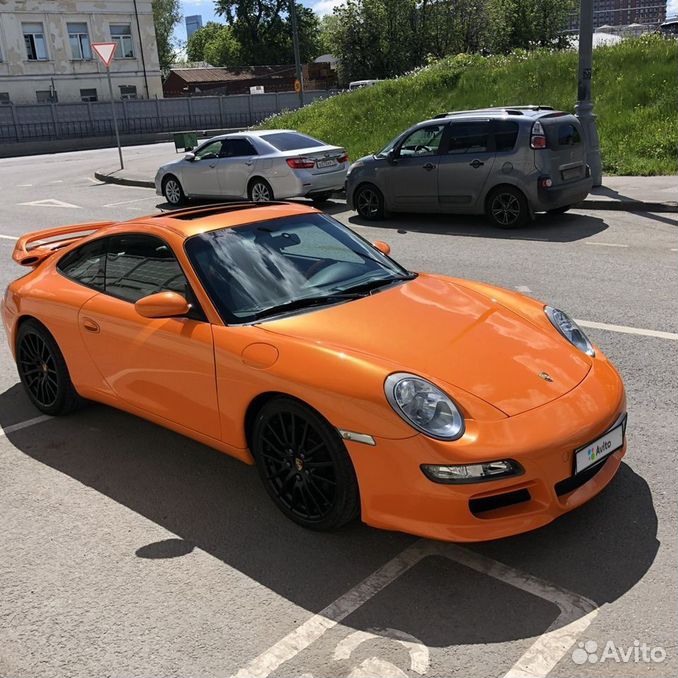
column 90, row 325
column 428, row 166
column 476, row 164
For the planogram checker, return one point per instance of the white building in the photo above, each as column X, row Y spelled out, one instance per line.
column 46, row 54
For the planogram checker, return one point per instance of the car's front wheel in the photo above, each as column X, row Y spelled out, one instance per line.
column 304, row 465
column 369, row 202
column 172, row 190
column 507, row 207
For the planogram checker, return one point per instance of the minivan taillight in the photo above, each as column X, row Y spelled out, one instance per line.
column 301, row 163
column 537, row 138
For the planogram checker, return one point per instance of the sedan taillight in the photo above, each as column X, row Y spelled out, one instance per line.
column 301, row 163
column 343, row 158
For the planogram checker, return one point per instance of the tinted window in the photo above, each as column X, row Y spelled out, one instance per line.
column 423, row 141
column 139, row 265
column 469, row 137
column 85, row 264
column 505, row 135
column 291, row 141
column 568, row 135
column 209, row 150
column 235, row 148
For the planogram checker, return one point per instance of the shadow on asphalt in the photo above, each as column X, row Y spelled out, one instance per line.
column 215, row 503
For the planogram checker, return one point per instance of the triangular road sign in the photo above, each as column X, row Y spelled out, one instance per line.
column 105, row 51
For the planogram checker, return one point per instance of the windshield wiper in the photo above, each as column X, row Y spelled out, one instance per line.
column 374, row 284
column 306, row 302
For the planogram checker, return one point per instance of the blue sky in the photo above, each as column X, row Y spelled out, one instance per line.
column 206, row 8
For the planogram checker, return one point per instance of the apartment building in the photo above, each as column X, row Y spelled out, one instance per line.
column 623, row 13
column 46, row 54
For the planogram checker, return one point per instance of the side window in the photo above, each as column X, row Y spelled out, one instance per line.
column 139, row 265
column 423, row 141
column 469, row 137
column 209, row 151
column 237, row 148
column 505, row 135
column 568, row 135
column 85, row 264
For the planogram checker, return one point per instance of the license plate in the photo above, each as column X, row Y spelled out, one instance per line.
column 597, row 450
column 572, row 173
column 325, row 163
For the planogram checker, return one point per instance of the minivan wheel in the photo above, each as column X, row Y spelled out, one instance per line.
column 507, row 207
column 559, row 210
column 260, row 191
column 369, row 202
column 171, row 189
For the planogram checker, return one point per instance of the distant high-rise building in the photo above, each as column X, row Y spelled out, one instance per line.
column 623, row 13
column 193, row 23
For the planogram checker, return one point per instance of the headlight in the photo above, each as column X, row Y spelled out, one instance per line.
column 569, row 329
column 424, row 406
column 355, row 165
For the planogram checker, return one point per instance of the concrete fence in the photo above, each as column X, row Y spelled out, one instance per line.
column 48, row 122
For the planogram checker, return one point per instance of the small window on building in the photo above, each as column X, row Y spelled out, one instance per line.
column 46, row 96
column 78, row 36
column 128, row 91
column 88, row 95
column 34, row 37
column 122, row 35
column 4, row 98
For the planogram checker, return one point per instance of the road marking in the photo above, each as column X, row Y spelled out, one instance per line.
column 56, row 181
column 127, row 202
column 24, row 185
column 50, row 202
column 24, row 424
column 8, row 237
column 628, row 330
column 674, row 249
column 576, row 612
column 605, row 244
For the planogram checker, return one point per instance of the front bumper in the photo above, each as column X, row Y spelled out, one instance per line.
column 396, row 495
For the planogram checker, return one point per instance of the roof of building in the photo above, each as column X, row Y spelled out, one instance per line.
column 198, row 75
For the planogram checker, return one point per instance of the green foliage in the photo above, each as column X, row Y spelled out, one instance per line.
column 634, row 89
column 216, row 44
column 166, row 15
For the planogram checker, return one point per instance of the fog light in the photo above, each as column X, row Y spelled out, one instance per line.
column 472, row 473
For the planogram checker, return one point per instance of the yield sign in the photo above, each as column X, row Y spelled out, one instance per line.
column 105, row 51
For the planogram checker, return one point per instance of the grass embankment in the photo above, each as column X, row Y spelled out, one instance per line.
column 634, row 89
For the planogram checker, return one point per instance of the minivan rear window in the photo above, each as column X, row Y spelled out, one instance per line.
column 505, row 135
column 568, row 135
column 291, row 141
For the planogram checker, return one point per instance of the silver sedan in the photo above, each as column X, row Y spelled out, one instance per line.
column 259, row 166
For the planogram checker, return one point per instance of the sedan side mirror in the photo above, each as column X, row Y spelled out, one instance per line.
column 382, row 246
column 162, row 305
column 190, row 157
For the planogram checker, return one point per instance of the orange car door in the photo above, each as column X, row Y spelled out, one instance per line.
column 164, row 366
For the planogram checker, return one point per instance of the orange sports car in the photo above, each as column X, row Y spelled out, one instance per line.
column 271, row 332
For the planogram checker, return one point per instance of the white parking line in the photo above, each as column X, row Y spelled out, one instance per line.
column 628, row 330
column 576, row 612
column 127, row 202
column 8, row 237
column 23, row 424
column 605, row 244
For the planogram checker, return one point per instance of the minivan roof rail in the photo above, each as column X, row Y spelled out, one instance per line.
column 509, row 110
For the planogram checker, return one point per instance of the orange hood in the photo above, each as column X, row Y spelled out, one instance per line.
column 437, row 328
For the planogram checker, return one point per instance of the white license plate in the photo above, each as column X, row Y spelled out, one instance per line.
column 599, row 449
column 325, row 163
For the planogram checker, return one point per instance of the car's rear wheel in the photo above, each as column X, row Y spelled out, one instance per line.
column 43, row 371
column 172, row 190
column 260, row 191
column 304, row 465
column 507, row 207
column 559, row 210
column 369, row 202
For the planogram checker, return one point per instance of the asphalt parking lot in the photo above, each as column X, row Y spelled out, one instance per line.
column 129, row 550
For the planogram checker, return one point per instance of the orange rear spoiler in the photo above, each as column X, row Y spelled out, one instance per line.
column 33, row 248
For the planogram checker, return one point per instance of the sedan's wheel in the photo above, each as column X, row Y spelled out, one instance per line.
column 304, row 465
column 43, row 371
column 507, row 207
column 172, row 191
column 260, row 191
column 369, row 202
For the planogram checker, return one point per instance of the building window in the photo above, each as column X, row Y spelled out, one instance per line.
column 122, row 35
column 78, row 36
column 128, row 91
column 46, row 96
column 4, row 98
column 88, row 95
column 34, row 37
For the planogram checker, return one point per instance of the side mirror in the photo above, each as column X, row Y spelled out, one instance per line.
column 190, row 157
column 162, row 305
column 391, row 157
column 382, row 246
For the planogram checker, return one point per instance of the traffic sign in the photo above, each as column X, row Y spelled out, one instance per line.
column 105, row 51
column 297, row 86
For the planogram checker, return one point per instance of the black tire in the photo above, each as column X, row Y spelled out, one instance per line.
column 321, row 198
column 304, row 465
column 43, row 371
column 559, row 210
column 260, row 190
column 368, row 202
column 506, row 207
column 173, row 191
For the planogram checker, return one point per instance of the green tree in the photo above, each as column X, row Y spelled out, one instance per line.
column 215, row 44
column 166, row 15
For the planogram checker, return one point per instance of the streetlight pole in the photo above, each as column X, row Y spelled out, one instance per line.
column 297, row 57
column 584, row 105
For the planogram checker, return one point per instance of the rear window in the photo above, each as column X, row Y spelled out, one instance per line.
column 505, row 135
column 291, row 141
column 568, row 135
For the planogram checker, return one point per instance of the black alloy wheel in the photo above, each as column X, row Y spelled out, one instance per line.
column 507, row 207
column 304, row 465
column 369, row 202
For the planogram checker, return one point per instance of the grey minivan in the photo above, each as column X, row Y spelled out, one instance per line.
column 507, row 163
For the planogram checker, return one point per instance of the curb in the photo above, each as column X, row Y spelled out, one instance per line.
column 123, row 181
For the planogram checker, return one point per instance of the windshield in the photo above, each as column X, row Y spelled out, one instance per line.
column 284, row 265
